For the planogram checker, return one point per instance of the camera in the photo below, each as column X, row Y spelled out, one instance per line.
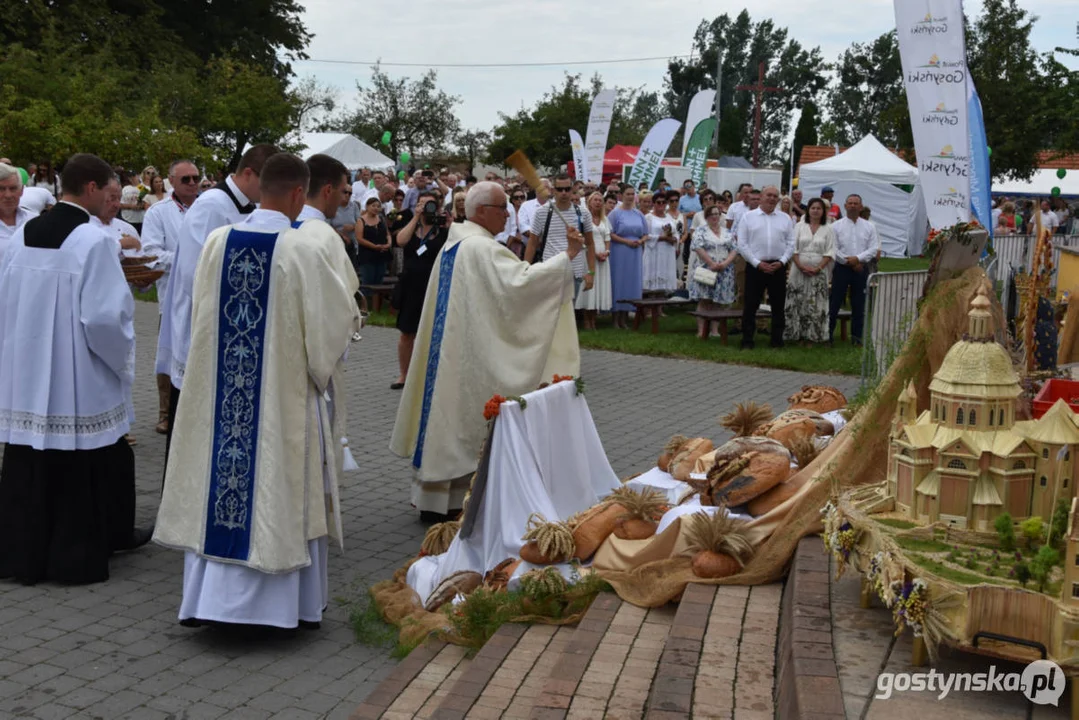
column 431, row 215
column 428, row 173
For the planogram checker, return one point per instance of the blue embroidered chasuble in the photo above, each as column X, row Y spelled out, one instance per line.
column 442, row 305
column 243, row 309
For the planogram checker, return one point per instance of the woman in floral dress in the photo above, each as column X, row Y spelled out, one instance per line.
column 810, row 272
column 712, row 248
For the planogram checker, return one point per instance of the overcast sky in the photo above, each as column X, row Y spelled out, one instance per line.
column 481, row 31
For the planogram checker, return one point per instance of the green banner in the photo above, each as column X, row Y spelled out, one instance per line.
column 696, row 159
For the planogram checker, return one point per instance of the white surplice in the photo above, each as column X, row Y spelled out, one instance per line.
column 212, row 210
column 293, row 452
column 490, row 324
column 161, row 228
column 67, row 343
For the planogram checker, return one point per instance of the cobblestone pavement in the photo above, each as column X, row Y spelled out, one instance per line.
column 114, row 650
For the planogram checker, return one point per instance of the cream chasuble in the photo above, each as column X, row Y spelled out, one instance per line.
column 272, row 317
column 490, row 324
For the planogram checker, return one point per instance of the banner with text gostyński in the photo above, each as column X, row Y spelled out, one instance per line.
column 595, row 136
column 933, row 53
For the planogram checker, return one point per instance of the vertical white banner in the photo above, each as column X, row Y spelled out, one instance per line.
column 700, row 107
column 652, row 151
column 599, row 125
column 580, row 165
column 933, row 53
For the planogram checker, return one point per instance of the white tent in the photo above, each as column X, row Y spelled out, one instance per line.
column 349, row 149
column 1042, row 183
column 888, row 186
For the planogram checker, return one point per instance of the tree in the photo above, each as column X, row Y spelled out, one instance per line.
column 1059, row 524
column 1041, row 567
column 804, row 134
column 867, row 96
column 745, row 45
column 311, row 100
column 1005, row 531
column 470, row 145
column 1013, row 91
column 1033, row 530
column 636, row 110
column 542, row 131
column 1022, row 573
column 419, row 115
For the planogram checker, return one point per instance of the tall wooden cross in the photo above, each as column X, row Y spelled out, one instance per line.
column 759, row 89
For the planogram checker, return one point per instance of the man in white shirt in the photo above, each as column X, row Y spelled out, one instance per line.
column 360, row 187
column 856, row 245
column 1050, row 221
column 326, row 189
column 161, row 228
column 738, row 207
column 122, row 233
column 529, row 207
column 224, row 204
column 765, row 238
column 67, row 483
column 12, row 216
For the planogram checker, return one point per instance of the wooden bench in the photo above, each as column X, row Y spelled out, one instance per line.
column 653, row 306
column 376, row 292
column 722, row 315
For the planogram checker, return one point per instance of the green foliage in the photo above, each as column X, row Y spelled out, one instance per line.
column 1042, row 566
column 1033, row 530
column 745, row 44
column 805, row 133
column 868, row 96
column 1022, row 573
column 1059, row 524
column 909, row 543
column 940, row 569
column 367, row 624
column 418, row 114
column 1005, row 531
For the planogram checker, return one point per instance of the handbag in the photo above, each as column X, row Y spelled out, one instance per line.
column 704, row 276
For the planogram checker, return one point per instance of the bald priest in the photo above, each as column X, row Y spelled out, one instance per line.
column 251, row 483
column 491, row 323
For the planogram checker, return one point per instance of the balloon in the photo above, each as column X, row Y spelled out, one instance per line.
column 25, row 176
column 400, row 174
column 989, row 150
column 1055, row 191
column 404, row 158
column 386, row 137
column 1061, row 172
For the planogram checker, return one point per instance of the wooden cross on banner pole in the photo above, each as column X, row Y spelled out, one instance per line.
column 759, row 89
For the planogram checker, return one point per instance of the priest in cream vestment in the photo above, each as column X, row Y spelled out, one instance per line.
column 251, row 483
column 490, row 324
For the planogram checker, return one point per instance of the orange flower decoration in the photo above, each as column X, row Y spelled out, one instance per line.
column 490, row 410
column 562, row 378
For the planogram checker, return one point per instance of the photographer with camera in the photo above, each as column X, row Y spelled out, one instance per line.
column 421, row 238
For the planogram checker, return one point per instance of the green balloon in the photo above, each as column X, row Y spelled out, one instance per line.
column 989, row 150
column 25, row 176
column 404, row 157
column 400, row 174
column 1055, row 191
column 386, row 137
column 1061, row 172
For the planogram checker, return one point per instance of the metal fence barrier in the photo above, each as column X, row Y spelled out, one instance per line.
column 891, row 309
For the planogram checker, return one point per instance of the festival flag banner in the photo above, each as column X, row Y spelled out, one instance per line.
column 933, row 53
column 980, row 176
column 652, row 151
column 580, row 164
column 599, row 125
column 700, row 107
column 695, row 158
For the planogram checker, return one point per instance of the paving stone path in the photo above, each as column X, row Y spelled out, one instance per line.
column 114, row 650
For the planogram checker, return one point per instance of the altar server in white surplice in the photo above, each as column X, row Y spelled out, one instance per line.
column 161, row 228
column 224, row 204
column 491, row 323
column 67, row 359
column 251, row 484
column 124, row 236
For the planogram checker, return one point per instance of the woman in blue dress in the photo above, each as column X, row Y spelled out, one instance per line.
column 629, row 231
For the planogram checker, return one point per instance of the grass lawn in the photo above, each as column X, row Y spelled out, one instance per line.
column 677, row 338
column 903, row 264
